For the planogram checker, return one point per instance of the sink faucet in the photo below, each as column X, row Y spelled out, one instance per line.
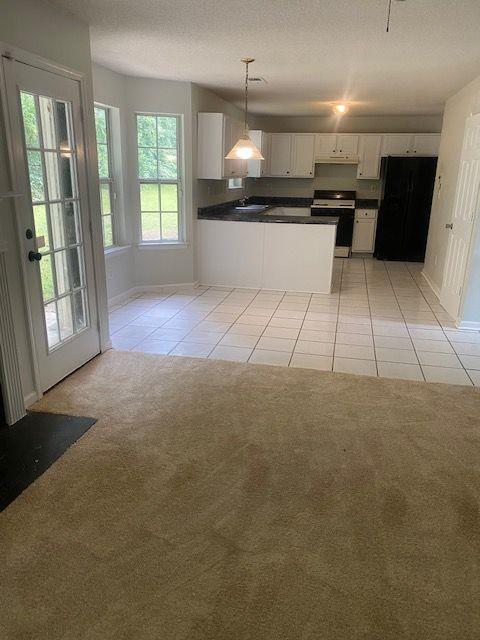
column 242, row 201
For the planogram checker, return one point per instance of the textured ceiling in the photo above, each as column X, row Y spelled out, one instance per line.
column 311, row 52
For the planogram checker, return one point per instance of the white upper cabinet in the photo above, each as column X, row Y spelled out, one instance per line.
column 331, row 146
column 369, row 157
column 217, row 133
column 291, row 155
column 397, row 144
column 303, row 155
column 426, row 144
column 281, row 154
column 259, row 168
column 347, row 145
column 325, row 145
column 409, row 144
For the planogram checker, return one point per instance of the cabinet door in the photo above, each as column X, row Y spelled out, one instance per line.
column 397, row 144
column 303, row 150
column 280, row 154
column 364, row 235
column 426, row 144
column 347, row 145
column 325, row 145
column 369, row 152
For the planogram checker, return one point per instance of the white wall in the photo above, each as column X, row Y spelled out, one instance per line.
column 109, row 88
column 348, row 124
column 40, row 28
column 458, row 108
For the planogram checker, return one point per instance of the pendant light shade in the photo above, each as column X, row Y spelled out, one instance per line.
column 244, row 148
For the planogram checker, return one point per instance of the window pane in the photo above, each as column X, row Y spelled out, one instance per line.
column 61, row 271
column 66, row 175
column 51, row 322
column 170, row 226
column 41, row 225
column 57, row 225
column 103, row 168
column 47, row 119
column 149, row 197
column 72, row 223
column 169, row 197
column 46, row 275
column 79, row 315
column 53, row 180
column 150, row 226
column 105, row 200
column 30, row 125
column 146, row 131
column 76, row 271
column 65, row 319
column 36, row 175
column 167, row 164
column 107, row 231
column 167, row 131
column 101, row 124
column 62, row 126
column 147, row 164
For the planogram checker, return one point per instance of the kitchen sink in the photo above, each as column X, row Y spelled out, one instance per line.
column 252, row 207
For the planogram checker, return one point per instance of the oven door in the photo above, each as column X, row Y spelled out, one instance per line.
column 344, row 228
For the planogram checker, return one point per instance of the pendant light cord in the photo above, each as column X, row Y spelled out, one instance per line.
column 246, row 97
column 388, row 16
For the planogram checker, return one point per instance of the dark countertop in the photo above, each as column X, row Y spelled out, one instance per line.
column 228, row 212
column 366, row 203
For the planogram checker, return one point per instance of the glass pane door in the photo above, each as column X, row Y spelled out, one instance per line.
column 52, row 175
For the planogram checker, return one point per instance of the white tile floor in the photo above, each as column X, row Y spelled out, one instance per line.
column 382, row 319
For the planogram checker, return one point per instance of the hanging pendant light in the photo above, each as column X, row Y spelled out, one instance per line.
column 244, row 149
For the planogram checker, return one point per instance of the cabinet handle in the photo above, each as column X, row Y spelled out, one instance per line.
column 361, row 173
column 340, row 150
column 408, row 151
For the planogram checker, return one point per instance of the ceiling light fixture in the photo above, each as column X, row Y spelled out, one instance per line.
column 340, row 109
column 244, row 149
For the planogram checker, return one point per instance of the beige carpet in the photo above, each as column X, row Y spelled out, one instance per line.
column 223, row 501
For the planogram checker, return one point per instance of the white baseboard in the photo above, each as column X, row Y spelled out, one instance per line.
column 468, row 326
column 139, row 289
column 432, row 286
column 31, row 398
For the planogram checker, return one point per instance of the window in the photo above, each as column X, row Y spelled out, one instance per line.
column 159, row 175
column 107, row 186
column 235, row 183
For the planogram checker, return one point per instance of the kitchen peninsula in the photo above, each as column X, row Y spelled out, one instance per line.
column 266, row 243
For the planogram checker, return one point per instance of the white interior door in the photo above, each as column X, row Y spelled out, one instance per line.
column 49, row 155
column 465, row 211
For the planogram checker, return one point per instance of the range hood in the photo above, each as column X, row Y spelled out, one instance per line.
column 353, row 159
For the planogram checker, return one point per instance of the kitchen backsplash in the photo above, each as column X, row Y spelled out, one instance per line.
column 327, row 176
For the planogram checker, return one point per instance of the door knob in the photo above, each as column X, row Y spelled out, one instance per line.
column 449, row 226
column 34, row 255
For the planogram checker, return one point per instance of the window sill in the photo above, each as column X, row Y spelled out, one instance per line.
column 162, row 245
column 116, row 250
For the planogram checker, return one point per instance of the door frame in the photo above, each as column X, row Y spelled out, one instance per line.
column 92, row 203
column 473, row 235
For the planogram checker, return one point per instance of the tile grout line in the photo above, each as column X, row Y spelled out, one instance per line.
column 371, row 322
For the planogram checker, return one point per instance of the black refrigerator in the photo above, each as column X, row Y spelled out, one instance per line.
column 404, row 213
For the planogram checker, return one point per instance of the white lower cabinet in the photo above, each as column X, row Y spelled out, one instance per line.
column 282, row 256
column 364, row 230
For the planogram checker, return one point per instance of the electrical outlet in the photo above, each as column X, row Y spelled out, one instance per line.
column 373, row 188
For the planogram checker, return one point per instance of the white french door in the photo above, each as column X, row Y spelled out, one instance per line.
column 465, row 211
column 49, row 156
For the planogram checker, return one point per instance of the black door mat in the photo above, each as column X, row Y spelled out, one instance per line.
column 31, row 446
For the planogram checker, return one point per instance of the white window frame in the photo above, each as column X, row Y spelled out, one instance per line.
column 235, row 183
column 179, row 182
column 110, row 180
